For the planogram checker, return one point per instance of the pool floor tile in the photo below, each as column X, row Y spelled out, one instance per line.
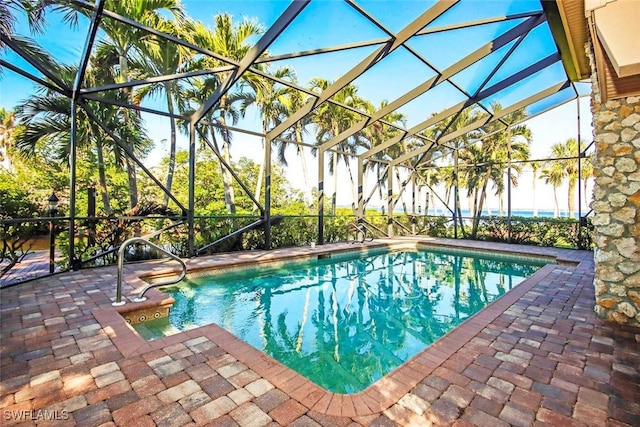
column 536, row 356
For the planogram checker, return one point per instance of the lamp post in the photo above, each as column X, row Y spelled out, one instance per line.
column 53, row 210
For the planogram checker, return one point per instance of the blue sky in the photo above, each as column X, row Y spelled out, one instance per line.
column 327, row 23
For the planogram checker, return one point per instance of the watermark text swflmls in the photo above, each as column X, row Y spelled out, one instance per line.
column 36, row 415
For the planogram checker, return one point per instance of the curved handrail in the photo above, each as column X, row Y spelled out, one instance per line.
column 141, row 296
column 360, row 230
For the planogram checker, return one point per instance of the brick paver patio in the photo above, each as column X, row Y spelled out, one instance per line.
column 537, row 356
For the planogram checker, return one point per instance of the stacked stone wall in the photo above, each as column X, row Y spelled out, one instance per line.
column 616, row 205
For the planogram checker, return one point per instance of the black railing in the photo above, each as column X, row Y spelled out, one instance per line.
column 32, row 248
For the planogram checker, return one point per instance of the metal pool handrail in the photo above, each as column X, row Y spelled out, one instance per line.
column 141, row 296
column 361, row 232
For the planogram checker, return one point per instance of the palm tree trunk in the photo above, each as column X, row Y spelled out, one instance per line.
column 229, row 195
column 404, row 204
column 483, row 196
column 533, row 187
column 228, row 185
column 259, row 180
column 261, row 170
column 354, row 193
column 334, row 196
column 555, row 199
column 447, row 196
column 572, row 198
column 102, row 178
column 227, row 201
column 305, row 172
column 131, row 166
column 172, row 147
column 380, row 190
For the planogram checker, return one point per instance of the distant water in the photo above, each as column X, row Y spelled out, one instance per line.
column 524, row 213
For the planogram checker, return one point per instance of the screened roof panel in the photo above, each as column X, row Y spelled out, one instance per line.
column 334, row 23
column 48, row 42
column 474, row 10
column 537, row 40
column 395, row 15
column 551, row 101
column 583, row 88
column 267, row 12
column 445, row 48
column 441, row 97
column 328, row 66
column 528, row 87
column 472, row 78
column 392, row 77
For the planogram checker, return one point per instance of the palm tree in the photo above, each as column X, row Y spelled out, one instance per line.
column 379, row 132
column 33, row 9
column 567, row 155
column 163, row 57
column 127, row 40
column 231, row 41
column 293, row 100
column 489, row 160
column 330, row 120
column 47, row 121
column 553, row 174
column 455, row 178
column 270, row 101
column 535, row 166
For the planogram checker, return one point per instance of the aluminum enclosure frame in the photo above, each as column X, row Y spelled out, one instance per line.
column 410, row 161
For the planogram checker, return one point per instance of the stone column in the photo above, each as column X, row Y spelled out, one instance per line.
column 616, row 205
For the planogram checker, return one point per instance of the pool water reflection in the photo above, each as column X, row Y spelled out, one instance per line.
column 345, row 323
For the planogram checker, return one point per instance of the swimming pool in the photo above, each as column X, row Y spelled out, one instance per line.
column 345, row 321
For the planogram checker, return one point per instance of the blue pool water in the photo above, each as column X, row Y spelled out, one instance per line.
column 346, row 321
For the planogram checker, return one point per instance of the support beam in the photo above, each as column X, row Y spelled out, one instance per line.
column 360, row 204
column 456, row 195
column 191, row 233
column 267, row 194
column 93, row 97
column 33, row 78
column 73, row 154
column 254, row 53
column 372, row 59
column 476, row 23
column 35, row 63
column 390, row 204
column 413, row 202
column 302, row 54
column 94, row 25
column 484, row 121
column 321, row 196
column 508, row 184
column 130, row 153
column 156, row 79
column 579, row 169
column 232, row 172
column 375, row 187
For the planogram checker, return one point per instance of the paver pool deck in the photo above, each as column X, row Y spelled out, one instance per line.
column 536, row 356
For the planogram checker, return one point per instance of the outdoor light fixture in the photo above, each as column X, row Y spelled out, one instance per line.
column 53, row 203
